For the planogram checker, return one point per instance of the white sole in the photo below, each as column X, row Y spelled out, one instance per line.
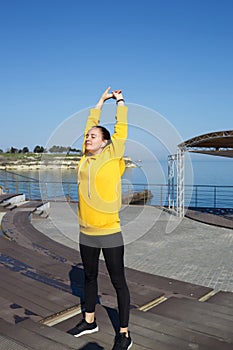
column 130, row 345
column 87, row 332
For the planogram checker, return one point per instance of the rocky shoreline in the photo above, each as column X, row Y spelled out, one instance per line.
column 46, row 162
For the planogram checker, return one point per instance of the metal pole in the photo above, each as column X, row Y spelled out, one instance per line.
column 171, row 173
column 180, row 183
column 29, row 190
column 196, row 197
column 215, row 197
column 169, row 182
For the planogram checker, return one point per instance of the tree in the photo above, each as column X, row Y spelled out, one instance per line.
column 13, row 150
column 59, row 149
column 75, row 150
column 25, row 150
column 38, row 149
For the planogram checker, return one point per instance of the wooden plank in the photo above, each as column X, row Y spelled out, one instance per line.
column 209, row 218
column 102, row 338
column 39, row 305
column 107, row 320
column 141, row 296
column 32, row 204
column 151, row 337
column 28, row 338
column 200, row 328
column 33, row 257
column 212, row 323
column 33, row 306
column 54, row 334
column 24, row 226
column 167, row 284
column 8, row 344
column 14, row 313
column 52, row 266
column 87, row 341
column 138, row 296
column 6, row 196
column 195, row 337
column 207, row 308
column 222, row 298
column 51, row 298
column 105, row 336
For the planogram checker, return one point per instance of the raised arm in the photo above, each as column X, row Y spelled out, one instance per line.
column 120, row 130
column 105, row 96
column 94, row 116
column 121, row 127
column 118, row 96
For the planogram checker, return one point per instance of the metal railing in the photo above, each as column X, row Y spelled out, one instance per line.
column 197, row 196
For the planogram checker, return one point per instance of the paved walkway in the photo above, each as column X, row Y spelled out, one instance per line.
column 159, row 243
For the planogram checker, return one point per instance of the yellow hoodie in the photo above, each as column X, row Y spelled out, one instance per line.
column 99, row 179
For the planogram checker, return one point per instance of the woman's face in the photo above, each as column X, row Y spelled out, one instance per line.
column 94, row 142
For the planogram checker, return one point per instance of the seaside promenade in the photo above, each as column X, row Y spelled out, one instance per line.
column 159, row 243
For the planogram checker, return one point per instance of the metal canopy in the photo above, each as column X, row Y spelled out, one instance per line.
column 221, row 153
column 215, row 143
column 218, row 143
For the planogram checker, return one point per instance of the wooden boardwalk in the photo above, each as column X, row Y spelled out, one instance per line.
column 215, row 217
column 41, row 293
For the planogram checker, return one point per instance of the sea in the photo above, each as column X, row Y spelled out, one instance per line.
column 208, row 182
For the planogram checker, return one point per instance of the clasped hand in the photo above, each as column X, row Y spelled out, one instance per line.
column 116, row 94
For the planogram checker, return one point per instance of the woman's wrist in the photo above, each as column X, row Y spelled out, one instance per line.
column 120, row 102
column 99, row 104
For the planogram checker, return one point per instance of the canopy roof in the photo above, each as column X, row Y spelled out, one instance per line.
column 218, row 143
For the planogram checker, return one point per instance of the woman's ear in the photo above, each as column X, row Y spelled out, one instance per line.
column 104, row 143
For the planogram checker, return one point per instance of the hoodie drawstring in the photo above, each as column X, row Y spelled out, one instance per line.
column 89, row 175
column 89, row 180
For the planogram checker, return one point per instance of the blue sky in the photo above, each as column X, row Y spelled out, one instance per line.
column 57, row 56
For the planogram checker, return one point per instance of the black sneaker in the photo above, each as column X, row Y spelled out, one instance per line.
column 84, row 327
column 122, row 342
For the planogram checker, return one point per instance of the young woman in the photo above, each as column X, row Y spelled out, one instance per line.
column 99, row 188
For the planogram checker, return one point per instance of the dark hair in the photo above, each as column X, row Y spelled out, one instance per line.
column 105, row 133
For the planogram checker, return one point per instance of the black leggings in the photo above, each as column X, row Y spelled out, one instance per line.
column 114, row 260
